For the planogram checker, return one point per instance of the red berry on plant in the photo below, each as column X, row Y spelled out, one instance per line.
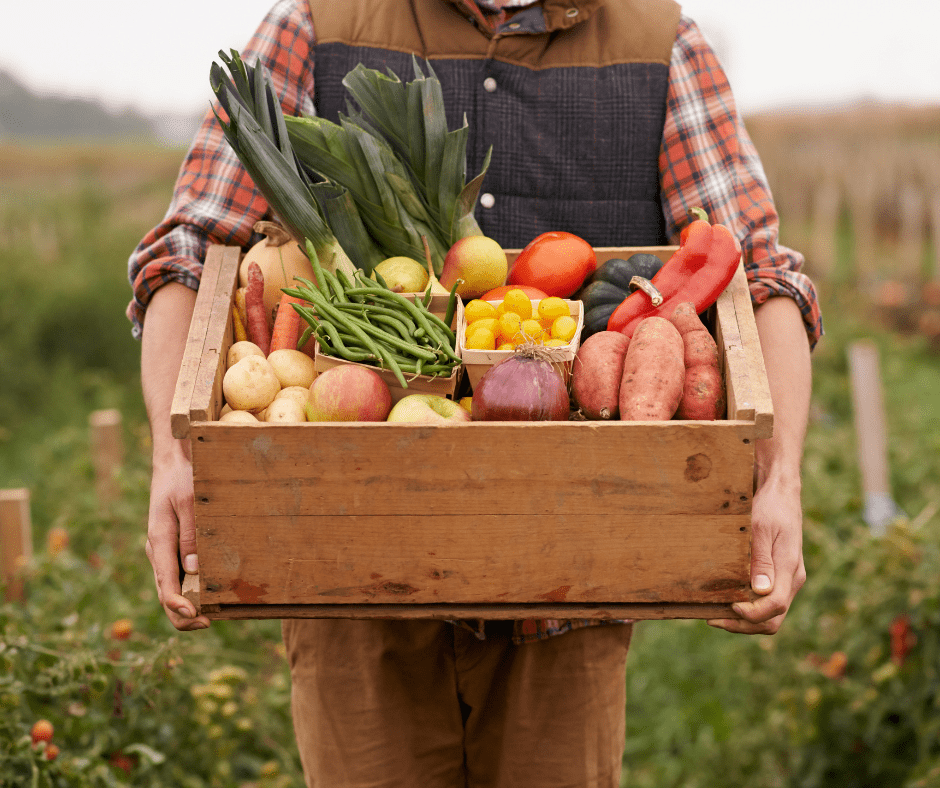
column 42, row 731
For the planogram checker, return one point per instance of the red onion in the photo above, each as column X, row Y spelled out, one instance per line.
column 523, row 387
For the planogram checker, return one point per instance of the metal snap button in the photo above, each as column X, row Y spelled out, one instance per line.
column 489, row 85
column 487, row 200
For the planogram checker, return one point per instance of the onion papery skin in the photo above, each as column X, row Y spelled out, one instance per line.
column 523, row 387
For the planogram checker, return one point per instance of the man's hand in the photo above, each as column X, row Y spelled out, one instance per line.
column 777, row 570
column 171, row 528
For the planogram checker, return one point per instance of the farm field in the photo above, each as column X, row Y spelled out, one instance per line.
column 845, row 695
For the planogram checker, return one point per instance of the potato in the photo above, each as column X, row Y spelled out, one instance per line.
column 292, row 367
column 239, row 350
column 284, row 410
column 653, row 372
column 596, row 374
column 250, row 384
column 299, row 393
column 238, row 416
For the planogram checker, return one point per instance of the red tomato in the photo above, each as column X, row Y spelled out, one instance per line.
column 556, row 263
column 499, row 293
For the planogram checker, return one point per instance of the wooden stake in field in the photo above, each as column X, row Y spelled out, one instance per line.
column 16, row 540
column 872, row 436
column 107, row 446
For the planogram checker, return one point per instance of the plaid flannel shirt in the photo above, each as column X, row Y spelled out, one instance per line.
column 706, row 159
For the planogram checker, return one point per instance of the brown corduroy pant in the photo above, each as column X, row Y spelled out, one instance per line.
column 426, row 704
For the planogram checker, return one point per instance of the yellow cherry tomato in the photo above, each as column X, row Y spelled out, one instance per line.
column 564, row 328
column 481, row 339
column 507, row 326
column 517, row 301
column 478, row 309
column 488, row 323
column 553, row 307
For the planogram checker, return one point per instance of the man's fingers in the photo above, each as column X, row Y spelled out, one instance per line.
column 744, row 627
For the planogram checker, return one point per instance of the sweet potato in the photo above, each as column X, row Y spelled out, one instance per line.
column 653, row 372
column 703, row 395
column 596, row 374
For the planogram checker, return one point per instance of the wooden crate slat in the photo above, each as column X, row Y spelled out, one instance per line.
column 459, row 611
column 207, row 390
column 478, row 559
column 195, row 342
column 569, row 467
column 750, row 344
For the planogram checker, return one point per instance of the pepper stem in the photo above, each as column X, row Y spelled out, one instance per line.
column 644, row 284
column 697, row 213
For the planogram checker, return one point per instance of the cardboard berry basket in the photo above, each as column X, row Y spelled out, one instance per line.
column 477, row 362
column 498, row 520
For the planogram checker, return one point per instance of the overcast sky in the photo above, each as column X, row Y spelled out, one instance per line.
column 156, row 57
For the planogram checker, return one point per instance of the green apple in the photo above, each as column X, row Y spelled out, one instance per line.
column 427, row 409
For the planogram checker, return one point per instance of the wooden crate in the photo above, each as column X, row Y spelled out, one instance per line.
column 492, row 520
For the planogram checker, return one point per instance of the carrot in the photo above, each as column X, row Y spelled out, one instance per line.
column 258, row 331
column 286, row 332
column 240, row 306
column 238, row 325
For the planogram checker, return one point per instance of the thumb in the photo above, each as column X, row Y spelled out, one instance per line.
column 762, row 564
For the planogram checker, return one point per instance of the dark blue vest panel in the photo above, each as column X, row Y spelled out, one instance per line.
column 590, row 169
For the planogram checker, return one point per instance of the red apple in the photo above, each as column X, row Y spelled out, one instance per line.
column 348, row 392
column 428, row 409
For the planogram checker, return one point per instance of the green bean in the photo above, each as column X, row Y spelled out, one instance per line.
column 339, row 347
column 346, row 283
column 400, row 327
column 304, row 337
column 380, row 310
column 422, row 317
column 369, row 332
column 381, row 280
column 451, row 304
column 388, row 360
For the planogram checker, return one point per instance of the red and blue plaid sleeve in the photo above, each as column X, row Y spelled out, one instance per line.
column 708, row 159
column 214, row 200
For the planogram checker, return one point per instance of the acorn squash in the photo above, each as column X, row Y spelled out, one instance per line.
column 609, row 285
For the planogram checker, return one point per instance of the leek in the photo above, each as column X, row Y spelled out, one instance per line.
column 256, row 132
column 404, row 170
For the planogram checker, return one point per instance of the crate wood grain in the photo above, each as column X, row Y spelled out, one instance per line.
column 493, row 520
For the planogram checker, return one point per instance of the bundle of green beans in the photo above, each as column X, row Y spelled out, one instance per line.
column 359, row 319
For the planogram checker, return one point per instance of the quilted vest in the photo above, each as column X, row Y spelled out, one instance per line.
column 570, row 94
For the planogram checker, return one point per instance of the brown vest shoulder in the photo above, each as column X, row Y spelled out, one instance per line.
column 603, row 32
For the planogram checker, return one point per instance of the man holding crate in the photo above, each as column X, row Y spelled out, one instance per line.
column 608, row 119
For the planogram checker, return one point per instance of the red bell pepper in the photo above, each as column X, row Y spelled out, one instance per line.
column 699, row 271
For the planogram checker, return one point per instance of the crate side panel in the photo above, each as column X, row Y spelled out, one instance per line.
column 509, row 468
column 473, row 559
column 753, row 356
column 207, row 393
column 195, row 343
